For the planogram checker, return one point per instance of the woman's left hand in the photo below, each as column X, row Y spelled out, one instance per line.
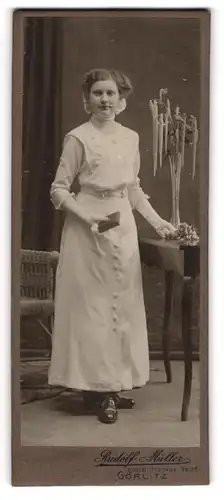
column 165, row 228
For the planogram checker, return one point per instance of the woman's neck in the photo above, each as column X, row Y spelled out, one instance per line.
column 106, row 124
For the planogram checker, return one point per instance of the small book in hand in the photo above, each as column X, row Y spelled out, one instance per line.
column 113, row 221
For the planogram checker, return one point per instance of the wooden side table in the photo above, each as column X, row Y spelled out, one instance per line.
column 174, row 257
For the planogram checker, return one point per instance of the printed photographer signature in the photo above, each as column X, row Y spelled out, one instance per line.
column 158, row 457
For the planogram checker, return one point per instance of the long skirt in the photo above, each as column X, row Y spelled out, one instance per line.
column 100, row 340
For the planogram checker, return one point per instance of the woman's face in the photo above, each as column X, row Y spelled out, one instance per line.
column 104, row 98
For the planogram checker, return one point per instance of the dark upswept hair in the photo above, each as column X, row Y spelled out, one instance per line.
column 122, row 81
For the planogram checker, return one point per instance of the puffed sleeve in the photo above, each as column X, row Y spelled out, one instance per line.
column 68, row 168
column 138, row 199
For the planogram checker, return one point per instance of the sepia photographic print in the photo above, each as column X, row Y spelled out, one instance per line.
column 110, row 247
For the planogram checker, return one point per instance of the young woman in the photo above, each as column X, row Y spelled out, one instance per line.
column 100, row 341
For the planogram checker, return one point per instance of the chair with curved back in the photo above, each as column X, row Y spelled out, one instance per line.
column 37, row 286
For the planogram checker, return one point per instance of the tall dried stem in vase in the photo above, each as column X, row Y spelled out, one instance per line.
column 172, row 131
column 175, row 169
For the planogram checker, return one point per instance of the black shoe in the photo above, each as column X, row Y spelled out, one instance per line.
column 125, row 403
column 108, row 410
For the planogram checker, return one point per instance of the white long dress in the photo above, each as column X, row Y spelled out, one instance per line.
column 100, row 340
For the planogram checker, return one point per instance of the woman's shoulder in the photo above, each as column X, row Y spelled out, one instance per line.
column 129, row 132
column 79, row 131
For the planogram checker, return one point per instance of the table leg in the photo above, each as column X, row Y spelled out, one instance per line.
column 169, row 282
column 187, row 299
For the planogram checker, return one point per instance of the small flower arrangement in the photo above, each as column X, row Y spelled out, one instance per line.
column 184, row 233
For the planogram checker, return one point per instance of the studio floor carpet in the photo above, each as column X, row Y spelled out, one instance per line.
column 59, row 419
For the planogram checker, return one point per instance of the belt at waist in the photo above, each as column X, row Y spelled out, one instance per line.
column 105, row 193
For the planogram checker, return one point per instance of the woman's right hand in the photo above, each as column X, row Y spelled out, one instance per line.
column 71, row 205
column 92, row 219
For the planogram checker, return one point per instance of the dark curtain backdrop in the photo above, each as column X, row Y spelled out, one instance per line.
column 41, row 130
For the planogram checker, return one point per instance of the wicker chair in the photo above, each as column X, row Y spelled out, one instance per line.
column 38, row 270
